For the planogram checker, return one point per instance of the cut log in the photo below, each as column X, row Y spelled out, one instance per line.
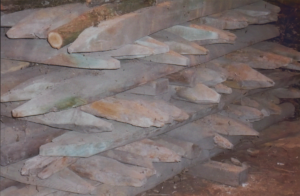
column 56, row 166
column 136, row 25
column 182, row 148
column 68, row 33
column 157, row 46
column 221, row 88
column 39, row 23
column 258, row 59
column 197, row 94
column 179, row 44
column 193, row 32
column 243, row 113
column 72, row 119
column 64, row 180
column 17, row 49
column 222, row 142
column 157, row 87
column 170, row 57
column 278, row 49
column 242, row 76
column 8, row 66
column 17, row 5
column 82, row 90
column 136, row 112
column 152, row 150
column 37, row 85
column 129, row 158
column 37, row 162
column 110, row 171
column 9, row 20
column 29, row 147
column 286, row 93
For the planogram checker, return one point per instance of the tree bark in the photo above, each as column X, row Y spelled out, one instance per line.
column 69, row 32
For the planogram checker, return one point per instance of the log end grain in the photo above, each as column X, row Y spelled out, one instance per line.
column 55, row 40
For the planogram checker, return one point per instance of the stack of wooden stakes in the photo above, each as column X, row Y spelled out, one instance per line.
column 135, row 95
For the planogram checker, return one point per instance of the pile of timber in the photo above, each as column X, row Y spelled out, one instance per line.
column 114, row 98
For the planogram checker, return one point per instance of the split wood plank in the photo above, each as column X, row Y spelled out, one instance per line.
column 179, row 44
column 136, row 25
column 197, row 94
column 34, row 163
column 72, row 119
column 268, row 105
column 6, row 183
column 153, row 88
column 277, row 49
column 151, row 150
column 67, row 33
column 170, row 57
column 246, row 101
column 221, row 88
column 64, row 180
column 39, row 23
column 17, row 49
column 286, row 93
column 258, row 59
column 110, row 171
column 222, row 142
column 8, row 66
column 82, row 90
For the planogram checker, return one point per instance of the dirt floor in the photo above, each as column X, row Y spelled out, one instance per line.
column 274, row 168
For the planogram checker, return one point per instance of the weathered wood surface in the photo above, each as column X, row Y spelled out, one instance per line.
column 136, row 25
column 90, row 144
column 221, row 88
column 27, row 190
column 258, row 59
column 129, row 158
column 246, row 101
column 39, row 82
column 170, row 57
column 41, row 22
column 151, row 150
column 222, row 142
column 9, row 20
column 137, row 112
column 7, row 107
column 82, row 90
column 56, row 166
column 286, row 93
column 6, row 183
column 17, row 49
column 179, row 44
column 8, row 66
column 8, row 191
column 36, row 135
column 67, row 33
column 157, row 46
column 271, row 107
column 34, row 163
column 110, row 171
column 72, row 119
column 197, row 94
column 277, row 49
column 65, row 180
column 193, row 32
column 12, row 132
column 156, row 87
column 185, row 149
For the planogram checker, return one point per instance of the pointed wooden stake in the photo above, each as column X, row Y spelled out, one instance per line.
column 157, row 46
column 110, row 171
column 179, row 44
column 156, row 87
column 37, row 162
column 222, row 142
column 8, row 66
column 193, row 32
column 286, row 93
column 64, row 180
column 258, row 59
column 197, row 94
column 73, row 119
column 170, row 57
column 221, row 88
column 152, row 150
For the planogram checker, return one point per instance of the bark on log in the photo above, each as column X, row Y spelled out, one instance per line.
column 18, row 5
column 67, row 33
